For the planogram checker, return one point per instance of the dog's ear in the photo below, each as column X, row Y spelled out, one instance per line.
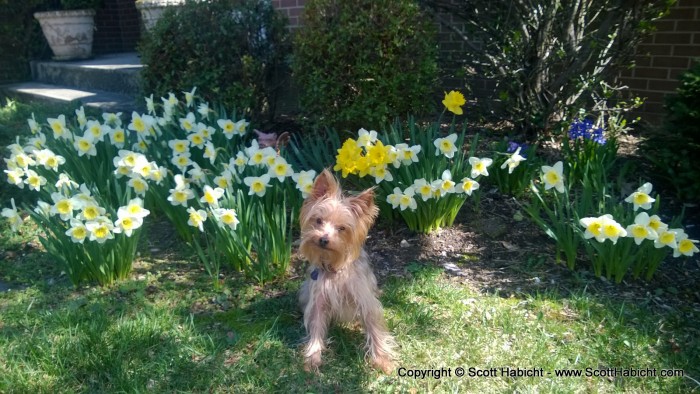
column 363, row 205
column 325, row 185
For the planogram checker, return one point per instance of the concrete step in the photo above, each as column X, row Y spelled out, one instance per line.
column 103, row 100
column 118, row 73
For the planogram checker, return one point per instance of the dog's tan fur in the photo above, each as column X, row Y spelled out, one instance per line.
column 333, row 233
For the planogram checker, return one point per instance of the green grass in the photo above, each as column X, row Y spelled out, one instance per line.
column 166, row 329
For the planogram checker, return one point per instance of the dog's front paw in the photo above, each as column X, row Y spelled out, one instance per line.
column 383, row 363
column 312, row 362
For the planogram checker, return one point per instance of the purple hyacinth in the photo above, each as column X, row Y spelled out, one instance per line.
column 513, row 146
column 585, row 129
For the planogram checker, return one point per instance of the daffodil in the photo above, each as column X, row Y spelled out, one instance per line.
column 407, row 200
column 139, row 185
column 406, row 155
column 685, row 247
column 280, row 169
column 239, row 161
column 227, row 217
column 612, row 229
column 225, row 180
column 196, row 218
column 513, row 161
column 65, row 181
column 454, row 101
column 97, row 130
column 179, row 146
column 137, row 123
column 38, row 141
column 480, row 166
column 112, row 119
column 242, row 127
column 91, row 211
column 20, row 160
column 656, row 224
column 150, row 106
column 304, row 182
column 210, row 152
column 640, row 229
column 63, row 206
column 594, row 227
column 380, row 174
column 34, row 181
column 127, row 225
column 211, row 196
column 14, row 177
column 423, row 188
column 48, row 159
column 180, row 196
column 668, row 238
column 553, row 177
column 467, row 185
column 447, row 185
column 100, row 230
column 77, row 231
column 204, row 109
column 117, row 136
column 446, row 146
column 157, row 173
column 394, row 198
column 366, row 138
column 189, row 97
column 80, row 117
column 196, row 175
column 258, row 184
column 228, row 127
column 378, row 154
column 58, row 126
column 34, row 126
column 85, row 145
column 640, row 198
column 347, row 158
column 133, row 208
column 182, row 161
column 13, row 216
column 197, row 139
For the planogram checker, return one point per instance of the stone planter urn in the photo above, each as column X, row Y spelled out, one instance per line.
column 69, row 33
column 152, row 10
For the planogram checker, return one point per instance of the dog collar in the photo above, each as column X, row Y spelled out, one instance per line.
column 314, row 274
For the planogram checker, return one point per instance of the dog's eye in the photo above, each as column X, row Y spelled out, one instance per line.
column 341, row 228
column 319, row 221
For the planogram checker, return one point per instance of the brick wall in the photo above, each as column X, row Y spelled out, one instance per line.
column 292, row 9
column 663, row 56
column 117, row 27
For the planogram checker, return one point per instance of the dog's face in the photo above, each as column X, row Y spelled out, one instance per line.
column 333, row 227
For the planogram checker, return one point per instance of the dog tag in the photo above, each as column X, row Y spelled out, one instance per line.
column 314, row 274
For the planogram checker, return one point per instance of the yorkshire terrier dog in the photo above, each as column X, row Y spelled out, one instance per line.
column 340, row 285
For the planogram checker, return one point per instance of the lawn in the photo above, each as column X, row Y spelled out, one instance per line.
column 454, row 299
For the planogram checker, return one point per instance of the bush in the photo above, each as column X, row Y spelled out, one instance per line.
column 21, row 38
column 359, row 63
column 230, row 50
column 673, row 151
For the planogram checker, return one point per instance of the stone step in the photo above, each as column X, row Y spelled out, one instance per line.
column 118, row 73
column 105, row 101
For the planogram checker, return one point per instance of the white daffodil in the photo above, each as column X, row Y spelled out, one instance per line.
column 381, row 173
column 15, row 177
column 117, row 137
column 91, row 211
column 34, row 126
column 407, row 200
column 64, row 180
column 100, row 230
column 513, row 161
column 139, row 185
column 446, row 146
column 280, row 169
column 685, row 247
column 640, row 229
column 480, row 166
column 77, row 231
column 58, row 126
column 227, row 127
column 13, row 216
column 137, row 123
column 150, row 105
column 211, row 196
column 407, row 155
column 180, row 196
column 134, row 209
column 189, row 97
column 394, row 198
column 447, row 184
column 227, row 217
column 34, row 181
column 612, row 229
column 656, row 224
column 97, row 130
column 204, row 110
column 668, row 238
column 63, row 206
column 179, row 146
column 553, row 177
column 258, row 184
column 424, row 189
column 210, row 152
column 366, row 138
column 182, row 161
column 594, row 227
column 242, row 127
column 239, row 161
column 467, row 185
column 304, row 182
column 640, row 198
column 196, row 218
column 80, row 117
column 225, row 180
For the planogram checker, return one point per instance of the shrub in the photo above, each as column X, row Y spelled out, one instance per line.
column 231, row 50
column 674, row 150
column 21, row 38
column 359, row 63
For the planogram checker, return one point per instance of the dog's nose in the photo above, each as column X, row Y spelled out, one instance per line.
column 323, row 241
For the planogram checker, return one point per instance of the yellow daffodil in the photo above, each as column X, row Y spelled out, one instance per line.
column 454, row 101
